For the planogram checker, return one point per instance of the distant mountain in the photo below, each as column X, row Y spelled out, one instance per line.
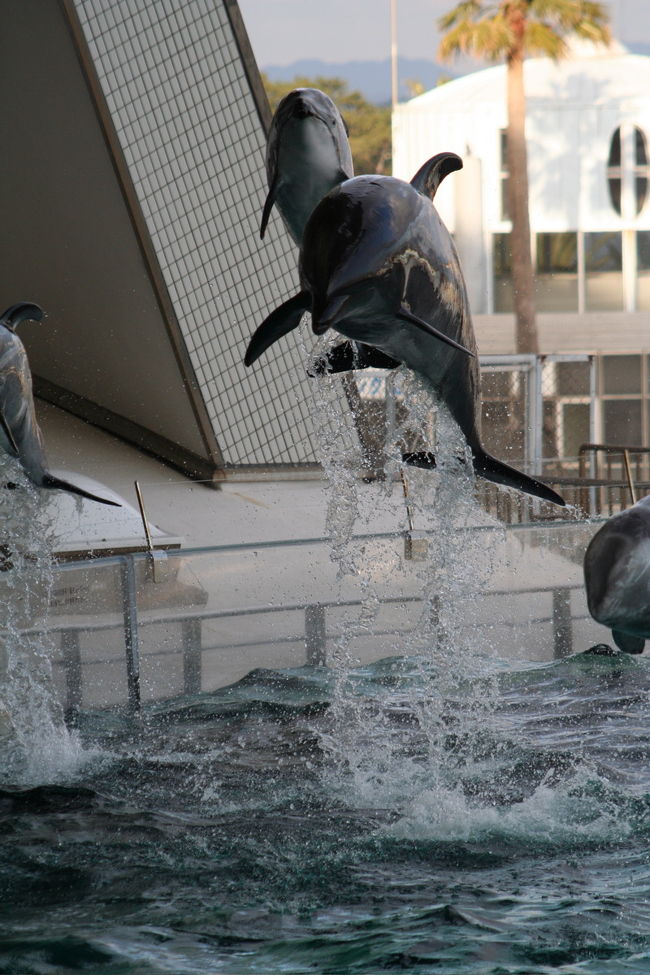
column 640, row 48
column 371, row 78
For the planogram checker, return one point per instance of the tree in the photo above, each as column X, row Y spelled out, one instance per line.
column 510, row 30
column 369, row 124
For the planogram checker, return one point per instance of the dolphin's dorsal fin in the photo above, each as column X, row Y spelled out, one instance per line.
column 429, row 177
column 6, row 429
column 408, row 316
column 22, row 311
column 280, row 322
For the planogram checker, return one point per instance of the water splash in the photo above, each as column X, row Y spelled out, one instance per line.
column 35, row 745
column 365, row 740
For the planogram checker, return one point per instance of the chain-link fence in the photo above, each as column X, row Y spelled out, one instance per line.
column 538, row 413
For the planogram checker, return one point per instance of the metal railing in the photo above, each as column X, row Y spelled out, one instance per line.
column 314, row 633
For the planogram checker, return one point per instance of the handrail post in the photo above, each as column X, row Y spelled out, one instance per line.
column 191, row 637
column 315, row 635
column 131, row 638
column 71, row 653
column 628, row 474
column 562, row 624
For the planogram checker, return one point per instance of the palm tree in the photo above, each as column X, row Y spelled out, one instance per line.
column 509, row 30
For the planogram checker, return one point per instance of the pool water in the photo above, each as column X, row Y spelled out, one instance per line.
column 292, row 824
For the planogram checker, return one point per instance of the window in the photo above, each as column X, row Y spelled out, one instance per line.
column 504, row 173
column 501, row 256
column 567, row 393
column 575, row 427
column 573, row 378
column 621, row 374
column 641, row 169
column 615, row 171
column 624, row 387
column 628, row 156
column 604, row 271
column 643, row 270
column 622, row 422
column 557, row 272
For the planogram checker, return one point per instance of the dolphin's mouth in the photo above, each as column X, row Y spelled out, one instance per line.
column 325, row 314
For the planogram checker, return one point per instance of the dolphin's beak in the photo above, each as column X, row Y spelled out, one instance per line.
column 324, row 317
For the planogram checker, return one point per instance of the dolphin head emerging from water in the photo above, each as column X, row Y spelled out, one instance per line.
column 617, row 576
column 307, row 154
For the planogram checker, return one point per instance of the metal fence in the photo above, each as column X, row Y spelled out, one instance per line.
column 122, row 633
column 543, row 415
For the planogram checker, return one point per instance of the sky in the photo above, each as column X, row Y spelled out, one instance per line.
column 283, row 31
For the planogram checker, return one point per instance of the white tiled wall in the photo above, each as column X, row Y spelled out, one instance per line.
column 180, row 101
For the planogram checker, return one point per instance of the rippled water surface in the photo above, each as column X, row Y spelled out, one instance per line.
column 501, row 827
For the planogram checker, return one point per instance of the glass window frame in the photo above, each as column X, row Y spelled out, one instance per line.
column 642, row 397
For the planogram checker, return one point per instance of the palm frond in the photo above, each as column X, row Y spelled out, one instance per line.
column 468, row 10
column 571, row 15
column 540, row 39
column 487, row 36
column 481, row 28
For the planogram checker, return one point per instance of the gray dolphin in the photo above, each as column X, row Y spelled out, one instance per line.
column 617, row 576
column 307, row 153
column 20, row 436
column 352, row 355
column 378, row 265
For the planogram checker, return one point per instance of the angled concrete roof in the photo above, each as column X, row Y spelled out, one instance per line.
column 131, row 189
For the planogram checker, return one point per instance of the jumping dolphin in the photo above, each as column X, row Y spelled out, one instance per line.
column 617, row 576
column 307, row 154
column 351, row 355
column 20, row 436
column 378, row 265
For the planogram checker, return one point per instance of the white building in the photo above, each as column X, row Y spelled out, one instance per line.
column 588, row 135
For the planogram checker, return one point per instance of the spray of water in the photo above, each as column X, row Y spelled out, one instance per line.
column 374, row 762
column 35, row 745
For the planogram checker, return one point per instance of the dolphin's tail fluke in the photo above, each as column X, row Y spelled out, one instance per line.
column 50, row 481
column 495, row 470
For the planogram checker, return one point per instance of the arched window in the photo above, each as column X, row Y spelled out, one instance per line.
column 641, row 168
column 628, row 154
column 615, row 171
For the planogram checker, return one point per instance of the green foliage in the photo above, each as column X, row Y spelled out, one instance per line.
column 369, row 125
column 489, row 28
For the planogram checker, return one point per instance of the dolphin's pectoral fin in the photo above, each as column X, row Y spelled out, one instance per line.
column 6, row 429
column 429, row 177
column 280, row 322
column 268, row 206
column 495, row 470
column 408, row 316
column 351, row 355
column 627, row 642
column 50, row 481
column 421, row 458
